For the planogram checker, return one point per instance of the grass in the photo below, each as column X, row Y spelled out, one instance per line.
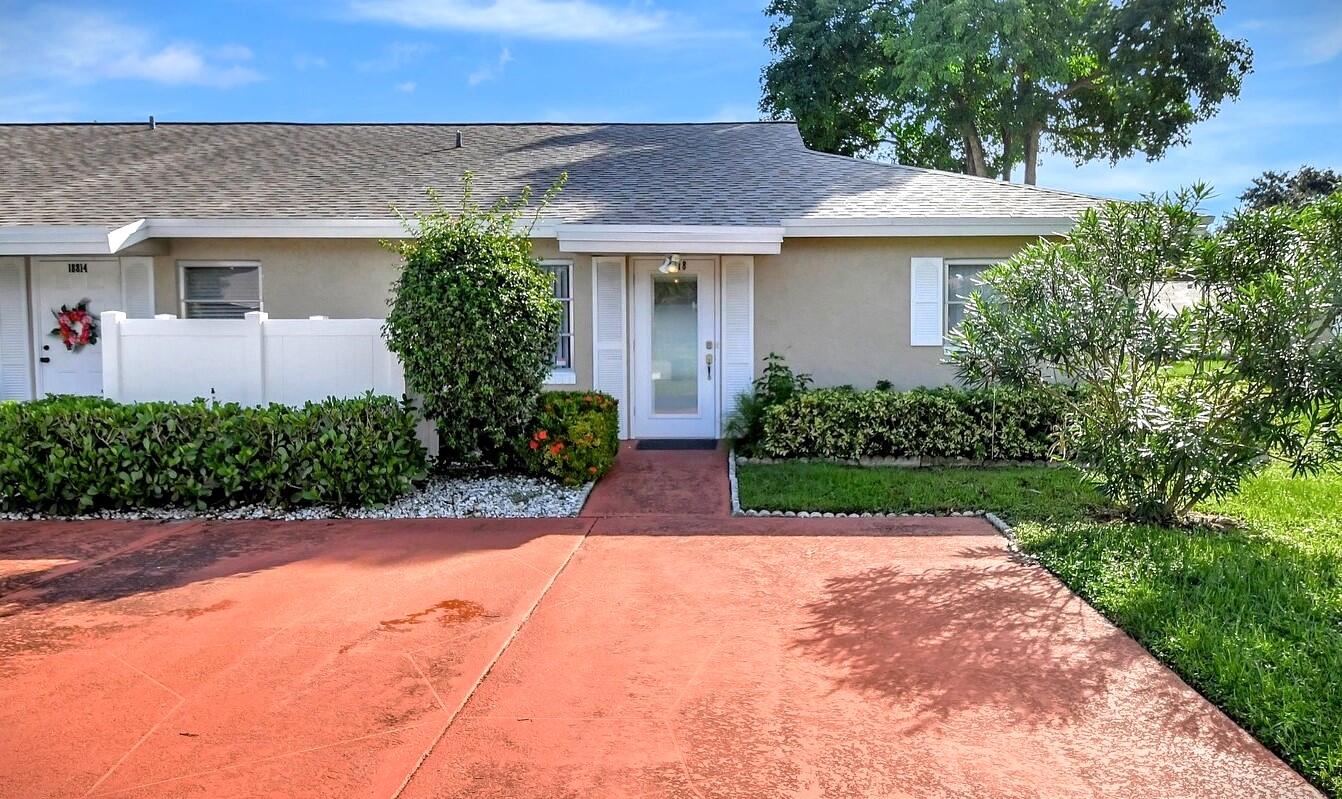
column 1251, row 616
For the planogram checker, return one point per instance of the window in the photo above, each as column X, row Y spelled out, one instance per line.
column 962, row 280
column 219, row 289
column 562, row 274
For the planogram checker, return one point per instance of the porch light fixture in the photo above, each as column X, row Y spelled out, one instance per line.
column 671, row 265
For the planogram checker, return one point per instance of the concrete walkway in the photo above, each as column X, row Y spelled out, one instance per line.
column 648, row 654
column 666, row 482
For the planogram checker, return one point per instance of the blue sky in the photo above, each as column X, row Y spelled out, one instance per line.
column 573, row 60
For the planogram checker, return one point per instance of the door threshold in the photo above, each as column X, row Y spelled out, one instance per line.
column 677, row 443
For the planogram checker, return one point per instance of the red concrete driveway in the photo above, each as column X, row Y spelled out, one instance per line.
column 622, row 656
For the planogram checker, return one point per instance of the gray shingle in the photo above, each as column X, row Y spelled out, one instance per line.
column 705, row 174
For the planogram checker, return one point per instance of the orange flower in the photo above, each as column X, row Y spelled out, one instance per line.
column 591, row 470
column 535, row 444
column 556, row 448
column 542, row 435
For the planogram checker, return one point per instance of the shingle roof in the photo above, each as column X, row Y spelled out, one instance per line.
column 673, row 174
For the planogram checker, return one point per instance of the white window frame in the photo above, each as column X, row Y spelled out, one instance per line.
column 946, row 299
column 182, row 266
column 565, row 375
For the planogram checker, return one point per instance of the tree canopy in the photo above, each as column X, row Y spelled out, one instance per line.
column 980, row 86
column 1291, row 189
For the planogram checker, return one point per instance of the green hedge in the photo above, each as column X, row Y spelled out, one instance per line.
column 75, row 455
column 994, row 424
column 573, row 438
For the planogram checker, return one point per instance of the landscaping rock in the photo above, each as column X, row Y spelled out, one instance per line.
column 456, row 497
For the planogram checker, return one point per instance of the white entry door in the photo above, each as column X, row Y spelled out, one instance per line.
column 67, row 282
column 676, row 356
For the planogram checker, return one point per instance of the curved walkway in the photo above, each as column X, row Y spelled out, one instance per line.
column 657, row 654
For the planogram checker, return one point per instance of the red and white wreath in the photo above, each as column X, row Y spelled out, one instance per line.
column 75, row 326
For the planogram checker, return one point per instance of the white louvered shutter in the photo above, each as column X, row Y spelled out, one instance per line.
column 610, row 368
column 15, row 358
column 927, row 282
column 137, row 287
column 738, row 329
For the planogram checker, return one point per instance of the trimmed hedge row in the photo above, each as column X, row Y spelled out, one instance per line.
column 74, row 455
column 573, row 438
column 993, row 424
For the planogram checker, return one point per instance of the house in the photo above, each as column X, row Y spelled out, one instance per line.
column 683, row 252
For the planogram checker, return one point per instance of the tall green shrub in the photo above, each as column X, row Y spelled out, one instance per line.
column 473, row 319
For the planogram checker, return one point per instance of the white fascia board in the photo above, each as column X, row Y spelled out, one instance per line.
column 688, row 239
column 928, row 226
column 55, row 240
column 276, row 228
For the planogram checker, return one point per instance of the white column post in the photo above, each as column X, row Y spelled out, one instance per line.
column 256, row 356
column 110, row 340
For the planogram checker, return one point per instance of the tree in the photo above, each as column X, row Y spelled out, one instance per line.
column 473, row 319
column 1295, row 190
column 1175, row 406
column 980, row 86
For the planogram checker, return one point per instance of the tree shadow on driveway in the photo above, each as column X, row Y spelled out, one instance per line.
column 992, row 636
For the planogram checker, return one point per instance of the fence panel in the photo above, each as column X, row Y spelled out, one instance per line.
column 252, row 361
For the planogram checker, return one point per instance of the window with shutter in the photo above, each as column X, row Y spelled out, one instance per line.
column 927, row 282
column 220, row 289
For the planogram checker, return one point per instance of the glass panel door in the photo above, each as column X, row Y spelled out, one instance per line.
column 675, row 343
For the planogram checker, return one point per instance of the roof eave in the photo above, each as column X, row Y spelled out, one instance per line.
column 903, row 227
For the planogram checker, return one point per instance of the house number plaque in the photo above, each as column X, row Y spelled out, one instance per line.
column 77, row 269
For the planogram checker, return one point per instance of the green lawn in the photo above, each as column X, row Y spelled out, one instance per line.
column 1251, row 616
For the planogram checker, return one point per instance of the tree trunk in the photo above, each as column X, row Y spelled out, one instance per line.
column 976, row 161
column 1006, row 156
column 1032, row 155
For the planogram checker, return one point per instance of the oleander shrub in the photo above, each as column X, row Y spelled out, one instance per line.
column 990, row 424
column 574, row 437
column 75, row 454
column 1181, row 403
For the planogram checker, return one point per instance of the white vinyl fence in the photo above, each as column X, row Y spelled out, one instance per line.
column 252, row 361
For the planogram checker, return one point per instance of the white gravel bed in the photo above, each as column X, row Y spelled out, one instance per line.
column 442, row 497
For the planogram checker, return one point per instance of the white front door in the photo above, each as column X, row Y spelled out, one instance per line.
column 675, row 346
column 66, row 282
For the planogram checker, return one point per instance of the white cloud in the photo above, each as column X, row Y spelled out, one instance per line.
column 35, row 107
column 490, row 71
column 1324, row 43
column 1227, row 152
column 405, row 87
column 87, row 46
column 395, row 56
column 303, row 62
column 537, row 19
column 734, row 112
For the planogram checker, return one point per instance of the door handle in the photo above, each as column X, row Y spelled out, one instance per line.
column 708, row 359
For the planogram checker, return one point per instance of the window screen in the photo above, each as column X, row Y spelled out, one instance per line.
column 220, row 291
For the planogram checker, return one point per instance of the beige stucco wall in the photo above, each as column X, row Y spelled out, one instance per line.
column 344, row 279
column 838, row 308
